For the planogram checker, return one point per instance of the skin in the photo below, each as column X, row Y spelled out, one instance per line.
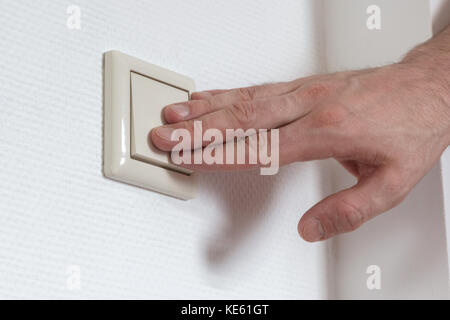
column 387, row 126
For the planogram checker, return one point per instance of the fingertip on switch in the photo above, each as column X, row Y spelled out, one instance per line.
column 176, row 112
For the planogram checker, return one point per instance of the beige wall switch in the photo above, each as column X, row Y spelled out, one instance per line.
column 148, row 98
column 135, row 92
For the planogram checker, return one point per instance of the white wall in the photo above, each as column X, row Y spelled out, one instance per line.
column 237, row 240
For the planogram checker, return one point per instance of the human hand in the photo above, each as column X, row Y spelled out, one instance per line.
column 387, row 126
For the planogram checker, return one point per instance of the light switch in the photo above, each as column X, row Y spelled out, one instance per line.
column 148, row 98
column 135, row 92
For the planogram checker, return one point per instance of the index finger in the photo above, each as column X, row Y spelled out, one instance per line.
column 202, row 103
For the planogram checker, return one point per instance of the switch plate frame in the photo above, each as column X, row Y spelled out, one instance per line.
column 118, row 164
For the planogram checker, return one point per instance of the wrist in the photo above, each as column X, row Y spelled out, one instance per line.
column 429, row 82
column 432, row 60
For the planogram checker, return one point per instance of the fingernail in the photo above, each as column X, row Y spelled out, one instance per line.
column 180, row 109
column 313, row 230
column 164, row 133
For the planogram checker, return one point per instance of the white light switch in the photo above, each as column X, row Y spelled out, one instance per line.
column 148, row 98
column 135, row 94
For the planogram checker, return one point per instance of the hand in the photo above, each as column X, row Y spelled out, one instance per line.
column 387, row 126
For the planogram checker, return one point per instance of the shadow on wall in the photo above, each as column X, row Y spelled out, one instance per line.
column 247, row 196
column 245, row 199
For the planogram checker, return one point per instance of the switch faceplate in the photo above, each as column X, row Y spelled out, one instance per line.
column 135, row 93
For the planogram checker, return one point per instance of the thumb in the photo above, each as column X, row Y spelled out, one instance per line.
column 348, row 209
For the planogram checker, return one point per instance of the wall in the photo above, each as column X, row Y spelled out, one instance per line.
column 237, row 240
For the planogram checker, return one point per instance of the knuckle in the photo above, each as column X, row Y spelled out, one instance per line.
column 243, row 114
column 247, row 94
column 316, row 90
column 349, row 216
column 210, row 103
